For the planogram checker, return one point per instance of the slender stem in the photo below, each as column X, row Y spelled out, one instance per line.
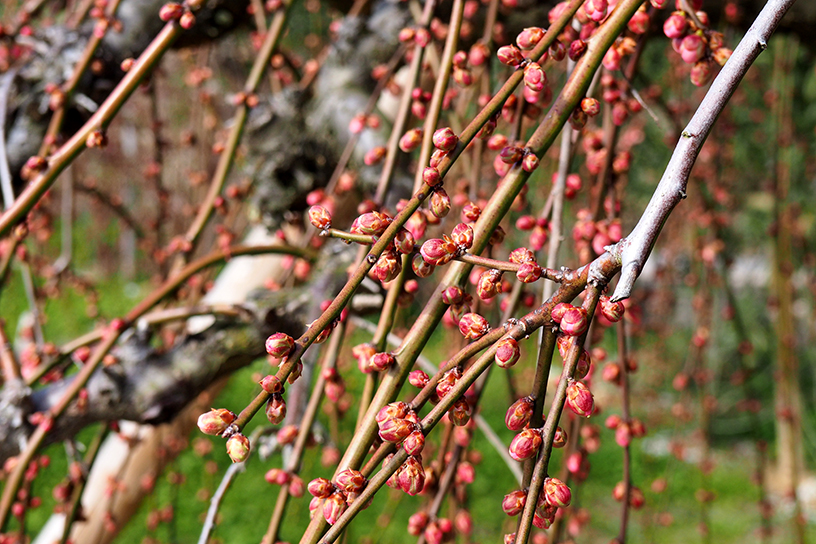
column 626, row 417
column 98, row 121
column 76, row 496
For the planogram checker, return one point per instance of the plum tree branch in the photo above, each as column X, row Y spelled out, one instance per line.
column 634, row 250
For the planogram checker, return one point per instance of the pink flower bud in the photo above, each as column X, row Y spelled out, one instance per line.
column 287, row 434
column 574, row 321
column 279, row 345
column 636, row 498
column 433, row 534
column 623, row 435
column 534, row 77
column 530, row 162
column 395, row 430
column 460, row 412
column 437, row 251
column 525, row 444
column 357, row 124
column 411, row 140
column 511, row 154
column 473, row 326
column 320, row 488
column 529, row 37
column 398, row 410
column 414, row 443
column 513, row 503
column 521, row 255
column 215, row 421
column 721, row 55
column 371, row 223
column 556, row 493
column 538, row 237
column 529, row 272
column 431, row 176
column 350, row 480
column 418, row 378
column 440, row 203
column 271, row 384
column 591, row 106
column 421, row 267
column 333, row 507
column 447, row 382
column 611, row 373
column 404, row 242
column 453, row 295
column 613, row 311
column 692, row 48
column 507, row 352
column 462, row 235
column 277, row 476
column 171, row 12
column 445, row 139
column 583, row 365
column 238, row 448
column 471, row 212
column 580, row 399
column 510, row 55
column 411, row 477
column 422, row 37
column 479, row 54
column 675, row 26
column 382, row 361
column 275, row 409
column 497, row 142
column 639, row 23
column 417, row 523
column 374, row 156
column 596, row 9
column 519, row 414
column 489, row 284
column 320, row 217
column 387, row 267
column 701, row 73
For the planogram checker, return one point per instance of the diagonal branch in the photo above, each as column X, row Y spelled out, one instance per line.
column 634, row 250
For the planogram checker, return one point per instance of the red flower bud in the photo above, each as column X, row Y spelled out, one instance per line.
column 507, row 352
column 350, row 480
column 459, row 413
column 596, row 9
column 320, row 488
column 382, row 361
column 277, row 476
column 513, row 503
column 583, row 365
column 418, row 378
column 279, row 345
column 574, row 321
column 445, row 139
column 558, row 51
column 510, row 55
column 525, row 444
column 577, row 48
column 521, row 255
column 613, row 311
column 411, row 140
column 556, row 492
column 560, row 438
column 453, row 295
column 320, row 217
column 387, row 267
column 530, row 162
column 371, row 223
column 171, row 12
column 275, row 409
column 611, row 373
column 580, row 399
column 529, row 37
column 395, row 430
column 440, row 203
column 675, row 25
column 374, row 156
column 511, row 154
column 215, row 421
column 431, row 176
column 534, row 77
column 478, row 54
column 591, row 106
column 623, row 435
column 692, row 48
column 462, row 235
column 519, row 414
column 421, row 267
column 701, row 73
column 437, row 251
column 529, row 272
column 333, row 507
column 489, row 284
column 473, row 326
column 414, row 443
column 411, row 477
column 394, row 410
column 238, row 448
column 271, row 384
column 471, row 212
column 447, row 382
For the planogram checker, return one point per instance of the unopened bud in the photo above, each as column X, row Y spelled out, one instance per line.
column 510, row 55
column 519, row 414
column 279, row 345
column 513, row 503
column 440, row 203
column 320, row 217
column 215, row 421
column 462, row 235
column 525, row 444
column 529, row 37
column 171, row 12
column 238, row 448
column 556, row 493
column 275, row 409
column 507, row 352
column 473, row 326
column 580, row 399
column 411, row 477
column 333, row 507
column 350, row 480
column 445, row 139
column 574, row 322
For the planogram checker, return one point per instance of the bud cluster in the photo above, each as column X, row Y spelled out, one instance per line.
column 696, row 44
column 396, row 421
